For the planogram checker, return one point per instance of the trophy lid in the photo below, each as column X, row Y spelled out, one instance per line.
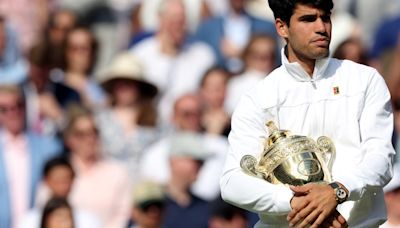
column 274, row 133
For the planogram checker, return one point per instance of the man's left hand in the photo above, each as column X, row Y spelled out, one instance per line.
column 311, row 205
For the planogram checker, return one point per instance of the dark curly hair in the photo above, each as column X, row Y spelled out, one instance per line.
column 283, row 9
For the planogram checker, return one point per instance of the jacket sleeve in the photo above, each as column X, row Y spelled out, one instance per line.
column 240, row 189
column 376, row 128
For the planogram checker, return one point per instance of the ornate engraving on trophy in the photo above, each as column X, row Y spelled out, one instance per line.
column 291, row 159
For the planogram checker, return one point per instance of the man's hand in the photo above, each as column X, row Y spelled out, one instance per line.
column 312, row 204
column 335, row 220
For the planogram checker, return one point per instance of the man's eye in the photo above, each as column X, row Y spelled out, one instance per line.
column 326, row 18
column 308, row 19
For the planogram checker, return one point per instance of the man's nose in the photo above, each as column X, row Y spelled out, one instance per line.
column 320, row 26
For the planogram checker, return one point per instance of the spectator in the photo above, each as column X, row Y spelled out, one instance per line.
column 229, row 34
column 184, row 209
column 392, row 199
column 79, row 59
column 101, row 186
column 215, row 119
column 180, row 61
column 259, row 58
column 351, row 49
column 128, row 125
column 22, row 157
column 224, row 215
column 47, row 100
column 149, row 205
column 385, row 40
column 58, row 179
column 187, row 117
column 13, row 67
column 60, row 23
column 57, row 213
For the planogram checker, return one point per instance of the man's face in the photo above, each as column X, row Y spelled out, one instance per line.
column 173, row 22
column 309, row 34
column 12, row 112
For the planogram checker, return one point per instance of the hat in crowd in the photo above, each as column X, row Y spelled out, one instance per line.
column 188, row 144
column 147, row 193
column 395, row 182
column 126, row 66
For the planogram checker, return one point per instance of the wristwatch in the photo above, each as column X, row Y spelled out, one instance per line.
column 341, row 194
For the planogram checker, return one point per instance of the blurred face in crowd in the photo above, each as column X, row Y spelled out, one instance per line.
column 2, row 38
column 237, row 5
column 79, row 51
column 12, row 112
column 173, row 21
column 60, row 218
column 213, row 89
column 125, row 92
column 184, row 169
column 237, row 221
column 187, row 113
column 59, row 180
column 82, row 139
column 64, row 21
column 260, row 55
column 148, row 215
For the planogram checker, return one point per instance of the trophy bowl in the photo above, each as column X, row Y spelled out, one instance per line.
column 291, row 159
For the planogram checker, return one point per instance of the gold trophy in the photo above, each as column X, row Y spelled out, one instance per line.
column 291, row 159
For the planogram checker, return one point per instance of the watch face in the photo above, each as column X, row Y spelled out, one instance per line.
column 341, row 193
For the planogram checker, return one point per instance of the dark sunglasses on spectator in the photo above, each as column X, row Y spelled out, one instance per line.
column 11, row 108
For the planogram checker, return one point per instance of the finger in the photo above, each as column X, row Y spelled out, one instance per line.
column 299, row 189
column 297, row 209
column 341, row 219
column 319, row 220
column 309, row 218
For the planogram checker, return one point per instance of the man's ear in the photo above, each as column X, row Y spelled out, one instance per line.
column 281, row 28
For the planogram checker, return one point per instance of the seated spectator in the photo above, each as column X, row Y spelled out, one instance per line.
column 224, row 215
column 215, row 120
column 13, row 68
column 184, row 209
column 392, row 199
column 229, row 33
column 47, row 100
column 259, row 58
column 180, row 61
column 128, row 125
column 22, row 157
column 187, row 117
column 148, row 205
column 385, row 40
column 101, row 186
column 58, row 179
column 351, row 49
column 57, row 213
column 60, row 23
column 79, row 59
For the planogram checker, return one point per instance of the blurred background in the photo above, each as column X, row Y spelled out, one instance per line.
column 115, row 113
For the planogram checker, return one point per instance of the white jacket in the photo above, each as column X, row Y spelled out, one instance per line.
column 347, row 102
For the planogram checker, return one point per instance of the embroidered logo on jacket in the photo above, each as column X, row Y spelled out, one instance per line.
column 336, row 90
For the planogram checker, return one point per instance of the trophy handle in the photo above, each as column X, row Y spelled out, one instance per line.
column 248, row 164
column 328, row 150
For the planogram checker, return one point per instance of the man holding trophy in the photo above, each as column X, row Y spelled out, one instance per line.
column 284, row 175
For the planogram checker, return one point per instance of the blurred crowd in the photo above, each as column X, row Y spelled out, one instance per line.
column 115, row 113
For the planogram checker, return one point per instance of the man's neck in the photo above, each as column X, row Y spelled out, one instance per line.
column 307, row 64
column 179, row 193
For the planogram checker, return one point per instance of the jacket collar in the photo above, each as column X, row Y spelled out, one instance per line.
column 298, row 73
